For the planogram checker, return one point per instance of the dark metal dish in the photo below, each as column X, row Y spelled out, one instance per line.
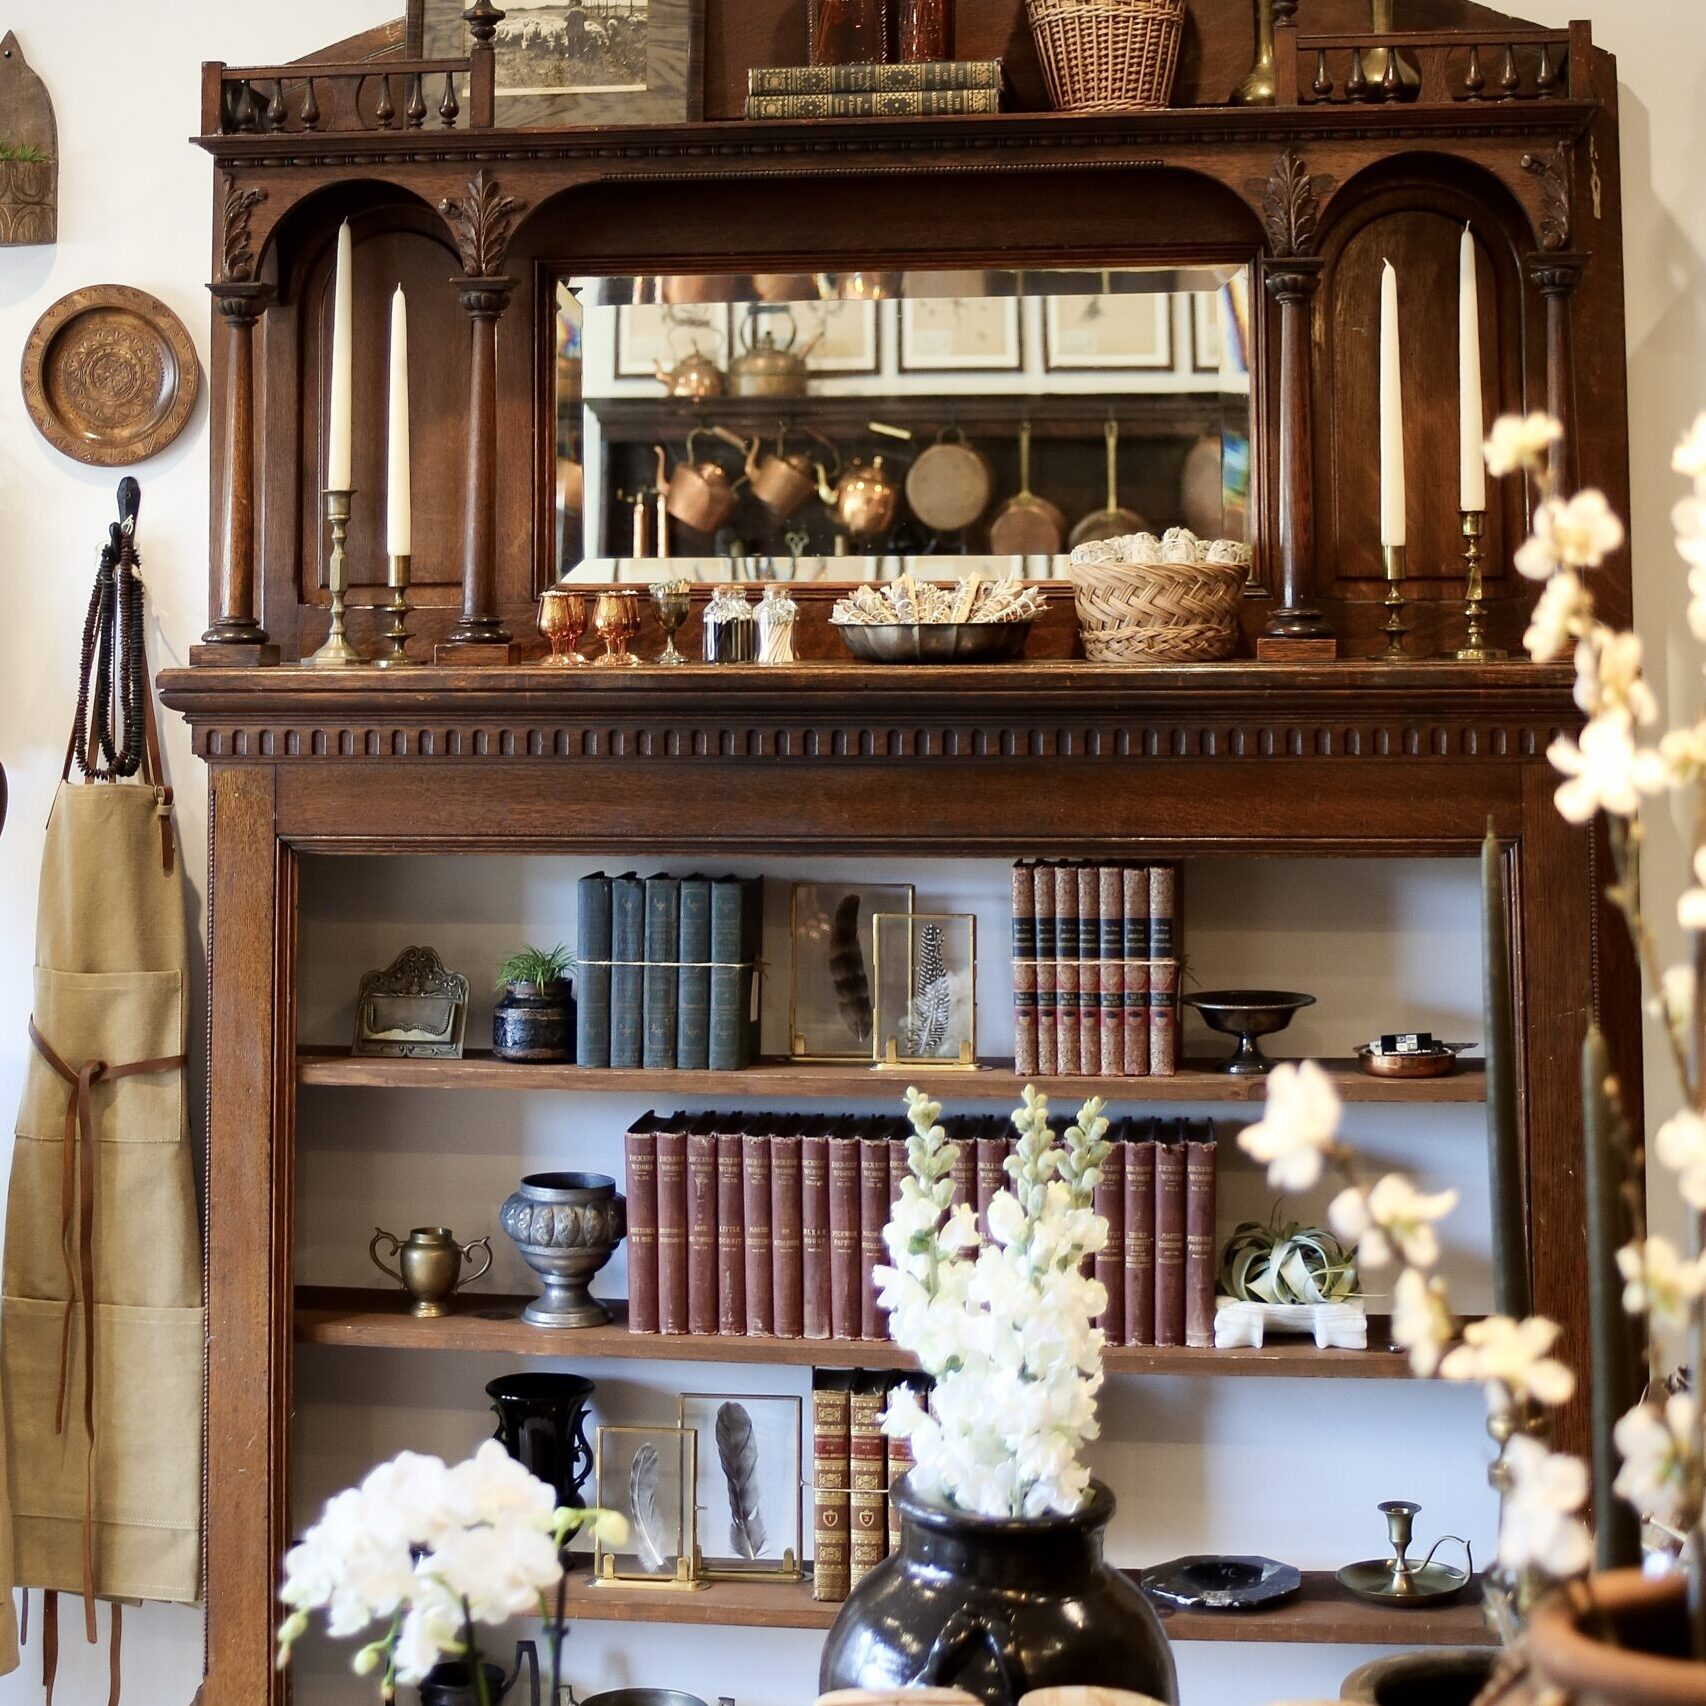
column 934, row 642
column 1205, row 1582
column 1247, row 1014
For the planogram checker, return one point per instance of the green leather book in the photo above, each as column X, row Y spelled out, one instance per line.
column 592, row 950
column 693, row 985
column 627, row 982
column 874, row 79
column 919, row 103
column 662, row 969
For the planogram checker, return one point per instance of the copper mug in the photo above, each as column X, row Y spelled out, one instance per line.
column 701, row 494
column 429, row 1266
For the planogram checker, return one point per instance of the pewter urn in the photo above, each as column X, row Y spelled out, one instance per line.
column 566, row 1226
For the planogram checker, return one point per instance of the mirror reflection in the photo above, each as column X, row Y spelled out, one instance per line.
column 855, row 426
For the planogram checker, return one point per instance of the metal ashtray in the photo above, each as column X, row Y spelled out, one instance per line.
column 934, row 642
column 1395, row 1580
column 1439, row 1061
column 1204, row 1582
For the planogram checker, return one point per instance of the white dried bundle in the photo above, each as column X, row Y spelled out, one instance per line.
column 972, row 600
column 1176, row 545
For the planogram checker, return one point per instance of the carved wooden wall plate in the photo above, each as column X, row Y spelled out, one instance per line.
column 110, row 375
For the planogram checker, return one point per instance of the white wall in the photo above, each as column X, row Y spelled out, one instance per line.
column 135, row 208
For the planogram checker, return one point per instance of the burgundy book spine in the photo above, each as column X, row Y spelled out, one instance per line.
column 1140, row 1243
column 1170, row 1244
column 1164, row 972
column 1048, row 986
column 672, row 1232
column 1090, row 971
column 755, row 1193
column 787, row 1280
column 1066, row 969
column 868, row 1478
column 814, row 1236
column 991, row 1176
column 642, row 1168
column 1134, row 1004
column 844, row 1238
column 1200, row 1264
column 702, row 1232
column 1024, row 972
column 1110, row 881
column 897, row 1172
column 900, row 1460
column 831, row 1477
column 965, row 1172
column 1110, row 1259
column 873, row 1217
column 731, row 1235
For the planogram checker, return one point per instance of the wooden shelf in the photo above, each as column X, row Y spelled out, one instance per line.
column 1321, row 1613
column 776, row 1079
column 377, row 1320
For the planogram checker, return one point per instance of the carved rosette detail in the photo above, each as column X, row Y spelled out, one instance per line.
column 236, row 253
column 481, row 223
column 1556, row 211
column 1290, row 208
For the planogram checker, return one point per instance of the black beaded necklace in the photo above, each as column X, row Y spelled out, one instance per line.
column 113, row 654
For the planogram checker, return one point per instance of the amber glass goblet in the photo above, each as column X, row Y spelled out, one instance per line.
column 616, row 616
column 562, row 620
column 672, row 601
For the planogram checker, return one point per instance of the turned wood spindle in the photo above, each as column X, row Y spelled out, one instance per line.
column 1323, row 84
column 484, row 300
column 1556, row 276
column 383, row 110
column 1293, row 283
column 275, row 105
column 1356, row 85
column 1475, row 79
column 1510, row 80
column 414, row 114
column 1545, row 78
column 448, row 107
column 310, row 105
column 482, row 19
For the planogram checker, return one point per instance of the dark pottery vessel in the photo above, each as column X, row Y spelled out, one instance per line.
column 452, row 1683
column 542, row 1425
column 999, row 1606
column 1614, row 1640
column 535, row 1021
column 1449, row 1677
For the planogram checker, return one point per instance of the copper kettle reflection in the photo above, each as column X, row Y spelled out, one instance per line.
column 700, row 493
column 864, row 500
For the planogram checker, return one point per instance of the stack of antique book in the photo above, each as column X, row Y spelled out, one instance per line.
column 666, row 971
column 930, row 89
column 1096, row 953
column 771, row 1225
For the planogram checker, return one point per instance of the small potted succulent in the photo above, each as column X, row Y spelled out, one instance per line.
column 535, row 1015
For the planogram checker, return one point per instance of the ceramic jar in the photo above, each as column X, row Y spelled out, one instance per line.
column 535, row 1021
column 566, row 1226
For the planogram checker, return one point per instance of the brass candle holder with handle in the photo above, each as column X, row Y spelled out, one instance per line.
column 1475, row 648
column 337, row 652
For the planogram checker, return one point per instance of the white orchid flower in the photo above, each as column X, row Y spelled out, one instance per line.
column 1421, row 1320
column 1393, row 1213
column 1297, row 1130
column 1570, row 533
column 1521, row 441
column 1604, row 771
column 1541, row 1526
column 1558, row 617
column 1658, row 1282
column 1510, row 1359
column 1657, row 1447
column 1680, row 1144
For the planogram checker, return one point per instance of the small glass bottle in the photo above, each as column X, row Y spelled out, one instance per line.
column 731, row 634
column 777, row 614
column 926, row 30
column 850, row 32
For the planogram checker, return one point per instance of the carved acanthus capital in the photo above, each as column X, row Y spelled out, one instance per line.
column 1291, row 206
column 1293, row 278
column 1556, row 211
column 481, row 222
column 1555, row 274
column 236, row 252
column 483, row 298
column 241, row 301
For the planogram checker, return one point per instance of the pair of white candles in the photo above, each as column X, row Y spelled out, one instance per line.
column 397, row 532
column 1472, row 469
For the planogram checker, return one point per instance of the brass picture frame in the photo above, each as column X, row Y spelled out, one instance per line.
column 925, row 987
column 829, row 959
column 741, row 1472
column 412, row 1010
column 641, row 1490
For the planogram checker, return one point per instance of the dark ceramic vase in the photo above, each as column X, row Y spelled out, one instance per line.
column 999, row 1606
column 453, row 1684
column 542, row 1425
column 535, row 1021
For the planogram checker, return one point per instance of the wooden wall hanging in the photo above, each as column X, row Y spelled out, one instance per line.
column 29, row 153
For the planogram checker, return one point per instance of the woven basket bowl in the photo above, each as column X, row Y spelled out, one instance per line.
column 1104, row 56
column 1158, row 612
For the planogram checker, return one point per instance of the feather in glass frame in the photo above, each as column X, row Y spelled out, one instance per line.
column 749, row 1496
column 926, row 984
column 563, row 63
column 830, row 1006
column 649, row 1475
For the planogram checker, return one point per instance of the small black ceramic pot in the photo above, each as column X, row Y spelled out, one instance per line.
column 535, row 1021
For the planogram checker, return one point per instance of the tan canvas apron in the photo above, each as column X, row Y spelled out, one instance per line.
column 101, row 1318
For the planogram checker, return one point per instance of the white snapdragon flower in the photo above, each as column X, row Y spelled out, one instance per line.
column 1573, row 533
column 1605, row 770
column 1691, row 903
column 1393, row 1213
column 1510, row 1359
column 1689, row 457
column 1558, row 617
column 1608, row 675
column 1658, row 1282
column 1541, row 1526
column 1421, row 1320
column 1674, row 1002
column 1521, row 441
column 1657, row 1448
column 1688, row 520
column 1683, row 753
column 1297, row 1129
column 1681, row 1146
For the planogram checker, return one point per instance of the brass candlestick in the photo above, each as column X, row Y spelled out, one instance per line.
column 337, row 653
column 1394, row 627
column 395, row 655
column 1474, row 648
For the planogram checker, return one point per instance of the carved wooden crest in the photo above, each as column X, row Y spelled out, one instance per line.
column 481, row 222
column 1556, row 213
column 1290, row 209
column 29, row 160
column 236, row 255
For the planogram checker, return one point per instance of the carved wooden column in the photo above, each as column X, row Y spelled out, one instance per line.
column 1292, row 276
column 1555, row 271
column 236, row 636
column 481, row 221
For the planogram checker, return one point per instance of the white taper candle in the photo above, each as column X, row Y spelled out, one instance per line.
column 397, row 540
column 1473, row 478
column 1392, row 530
column 343, row 397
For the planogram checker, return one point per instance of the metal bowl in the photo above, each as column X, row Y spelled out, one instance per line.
column 1247, row 1014
column 934, row 642
column 1212, row 1583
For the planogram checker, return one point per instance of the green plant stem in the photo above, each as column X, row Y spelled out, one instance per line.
column 1626, row 839
column 481, row 1692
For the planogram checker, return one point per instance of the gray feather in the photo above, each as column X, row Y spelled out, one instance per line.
column 847, row 969
column 932, row 1004
column 643, row 1508
column 738, row 1450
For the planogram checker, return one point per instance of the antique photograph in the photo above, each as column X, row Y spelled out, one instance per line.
column 961, row 334
column 829, row 1006
column 658, row 335
column 1093, row 333
column 749, row 1481
column 842, row 336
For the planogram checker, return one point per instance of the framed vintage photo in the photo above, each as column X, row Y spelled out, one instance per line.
column 1205, row 332
column 961, row 334
column 649, row 1475
column 749, row 1495
column 651, row 335
column 581, row 62
column 926, row 979
column 847, row 336
column 830, row 999
column 1121, row 332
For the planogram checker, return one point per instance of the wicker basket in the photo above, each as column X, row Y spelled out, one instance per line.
column 1108, row 55
column 1158, row 612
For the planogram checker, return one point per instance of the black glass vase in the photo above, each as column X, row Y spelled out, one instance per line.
column 542, row 1425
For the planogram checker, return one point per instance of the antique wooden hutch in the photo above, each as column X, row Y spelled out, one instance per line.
column 1320, row 749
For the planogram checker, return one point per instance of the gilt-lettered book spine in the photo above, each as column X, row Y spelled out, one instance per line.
column 897, row 1173
column 1090, row 970
column 1024, row 972
column 592, row 947
column 964, row 1172
column 862, row 79
column 728, row 1040
column 1110, row 1259
column 900, row 1460
column 672, row 1231
column 659, row 979
column 1134, row 1001
column 1140, row 1242
column 814, row 1235
column 702, row 1231
column 627, row 981
column 760, row 1276
column 693, row 982
column 751, row 949
column 1164, row 970
column 1110, row 884
column 731, row 1233
column 831, row 1470
column 873, row 1217
column 1200, row 1157
column 1170, row 1242
column 1048, row 984
column 641, row 1156
column 991, row 1177
column 1066, row 970
column 787, row 1275
column 870, row 1477
column 876, row 103
column 844, row 1308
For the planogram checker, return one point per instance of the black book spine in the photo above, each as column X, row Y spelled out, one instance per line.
column 592, row 948
column 751, row 951
column 728, row 1010
column 693, row 986
column 628, row 947
column 663, row 956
